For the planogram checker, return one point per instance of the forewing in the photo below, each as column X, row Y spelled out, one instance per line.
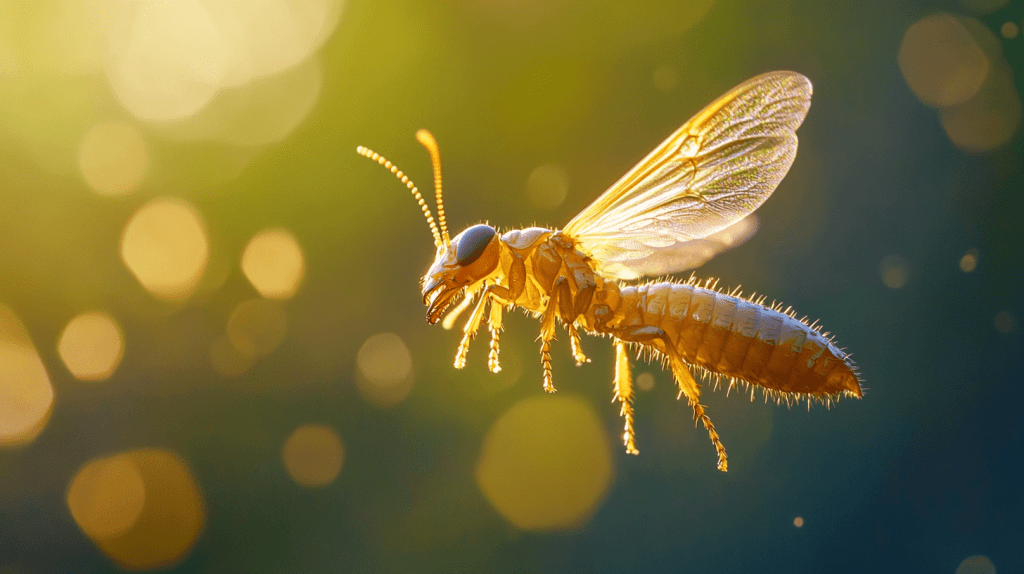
column 712, row 172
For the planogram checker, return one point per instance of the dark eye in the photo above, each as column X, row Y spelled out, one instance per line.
column 471, row 243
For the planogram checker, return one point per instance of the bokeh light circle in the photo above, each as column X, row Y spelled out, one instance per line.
column 106, row 496
column 165, row 246
column 894, row 271
column 142, row 508
column 170, row 60
column 26, row 394
column 257, row 326
column 547, row 186
column 941, row 61
column 91, row 346
column 990, row 118
column 113, row 158
column 313, row 455
column 385, row 370
column 546, row 463
column 976, row 565
column 273, row 263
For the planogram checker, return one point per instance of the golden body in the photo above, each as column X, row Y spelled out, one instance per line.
column 682, row 204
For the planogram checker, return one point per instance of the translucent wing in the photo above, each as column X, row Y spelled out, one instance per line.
column 711, row 173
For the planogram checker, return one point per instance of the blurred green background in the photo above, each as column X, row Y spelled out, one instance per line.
column 213, row 353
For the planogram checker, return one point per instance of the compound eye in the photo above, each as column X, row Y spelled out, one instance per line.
column 471, row 243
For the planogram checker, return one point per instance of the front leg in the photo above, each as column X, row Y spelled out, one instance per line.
column 494, row 325
column 471, row 327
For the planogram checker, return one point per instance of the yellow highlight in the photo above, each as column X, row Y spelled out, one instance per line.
column 142, row 508
column 547, row 186
column 798, row 522
column 106, row 496
column 113, row 158
column 273, row 263
column 941, row 61
column 894, row 271
column 91, row 346
column 313, row 455
column 167, row 60
column 257, row 326
column 1005, row 322
column 26, row 395
column 1009, row 30
column 990, row 118
column 645, row 381
column 546, row 463
column 385, row 370
column 969, row 262
column 976, row 565
column 165, row 246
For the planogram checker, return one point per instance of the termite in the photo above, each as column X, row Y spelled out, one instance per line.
column 688, row 200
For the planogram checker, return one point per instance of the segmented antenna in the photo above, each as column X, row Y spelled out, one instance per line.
column 369, row 153
column 428, row 141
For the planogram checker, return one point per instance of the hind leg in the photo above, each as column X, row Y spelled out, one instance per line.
column 689, row 387
column 649, row 335
column 624, row 394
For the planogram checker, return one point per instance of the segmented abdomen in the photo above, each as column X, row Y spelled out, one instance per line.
column 743, row 339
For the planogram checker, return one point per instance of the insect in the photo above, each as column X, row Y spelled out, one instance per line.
column 686, row 201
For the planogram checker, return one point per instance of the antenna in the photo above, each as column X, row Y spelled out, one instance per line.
column 369, row 153
column 428, row 141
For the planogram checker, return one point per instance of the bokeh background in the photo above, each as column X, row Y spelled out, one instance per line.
column 213, row 353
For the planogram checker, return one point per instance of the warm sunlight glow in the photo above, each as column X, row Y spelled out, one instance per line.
column 273, row 263
column 165, row 246
column 313, row 455
column 990, row 118
column 941, row 61
column 142, row 508
column 385, row 370
column 1005, row 322
column 257, row 326
column 546, row 463
column 894, row 271
column 645, row 381
column 547, row 186
column 169, row 60
column 26, row 395
column 106, row 496
column 91, row 346
column 976, row 565
column 969, row 261
column 113, row 158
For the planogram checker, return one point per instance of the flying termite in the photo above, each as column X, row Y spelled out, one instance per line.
column 689, row 199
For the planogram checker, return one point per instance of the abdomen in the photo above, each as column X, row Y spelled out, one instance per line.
column 741, row 339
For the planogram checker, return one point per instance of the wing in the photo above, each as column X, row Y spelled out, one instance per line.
column 712, row 172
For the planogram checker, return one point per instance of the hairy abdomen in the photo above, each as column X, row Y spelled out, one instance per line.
column 741, row 339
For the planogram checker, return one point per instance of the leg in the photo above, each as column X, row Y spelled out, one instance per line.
column 689, row 387
column 624, row 393
column 647, row 334
column 494, row 325
column 547, row 330
column 574, row 343
column 470, row 328
column 547, row 333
